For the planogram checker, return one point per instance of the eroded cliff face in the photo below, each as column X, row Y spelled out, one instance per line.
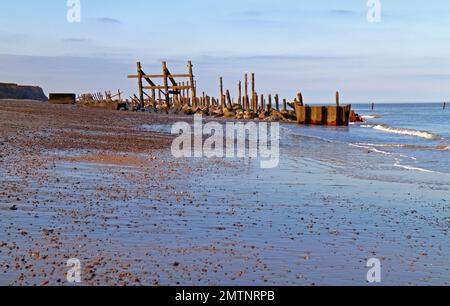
column 19, row 92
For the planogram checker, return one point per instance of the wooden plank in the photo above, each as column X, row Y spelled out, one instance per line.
column 160, row 76
column 171, row 87
column 171, row 78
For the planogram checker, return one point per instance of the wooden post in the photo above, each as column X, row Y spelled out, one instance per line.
column 191, row 80
column 263, row 104
column 195, row 88
column 443, row 106
column 229, row 105
column 141, row 91
column 255, row 103
column 166, row 83
column 285, row 104
column 254, row 96
column 337, row 98
column 153, row 94
column 270, row 104
column 246, row 102
column 240, row 93
column 300, row 98
column 373, row 106
column 222, row 96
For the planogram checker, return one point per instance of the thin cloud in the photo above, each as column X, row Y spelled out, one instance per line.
column 277, row 58
column 342, row 12
column 75, row 40
column 108, row 20
column 252, row 13
column 432, row 77
column 8, row 37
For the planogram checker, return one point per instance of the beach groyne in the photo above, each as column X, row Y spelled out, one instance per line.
column 183, row 96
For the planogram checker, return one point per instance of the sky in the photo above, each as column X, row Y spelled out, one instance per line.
column 316, row 47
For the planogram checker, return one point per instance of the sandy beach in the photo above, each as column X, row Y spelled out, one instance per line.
column 102, row 187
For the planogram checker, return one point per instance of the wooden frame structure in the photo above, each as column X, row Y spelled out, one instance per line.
column 174, row 88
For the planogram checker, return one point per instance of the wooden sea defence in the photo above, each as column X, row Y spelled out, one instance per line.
column 176, row 95
column 107, row 101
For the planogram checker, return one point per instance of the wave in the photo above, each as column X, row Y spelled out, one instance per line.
column 415, row 168
column 375, row 150
column 371, row 117
column 398, row 158
column 291, row 132
column 406, row 146
column 407, row 132
column 411, row 168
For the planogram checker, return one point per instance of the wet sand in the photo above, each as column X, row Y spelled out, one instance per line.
column 97, row 186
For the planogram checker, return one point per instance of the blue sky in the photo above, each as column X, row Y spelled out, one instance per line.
column 316, row 47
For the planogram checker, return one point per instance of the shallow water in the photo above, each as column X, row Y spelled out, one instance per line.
column 316, row 219
column 330, row 206
column 415, row 136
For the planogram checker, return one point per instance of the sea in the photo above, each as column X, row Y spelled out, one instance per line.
column 411, row 136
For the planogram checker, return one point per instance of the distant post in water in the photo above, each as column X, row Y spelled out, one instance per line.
column 337, row 98
column 443, row 106
column 373, row 106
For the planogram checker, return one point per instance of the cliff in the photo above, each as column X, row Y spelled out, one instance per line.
column 14, row 91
